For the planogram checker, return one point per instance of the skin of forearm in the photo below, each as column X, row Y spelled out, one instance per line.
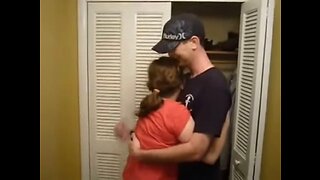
column 212, row 155
column 191, row 151
column 169, row 155
column 217, row 145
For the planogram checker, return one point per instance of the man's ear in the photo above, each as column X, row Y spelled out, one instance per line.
column 195, row 42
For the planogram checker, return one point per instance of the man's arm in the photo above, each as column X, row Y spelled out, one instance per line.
column 193, row 150
column 217, row 144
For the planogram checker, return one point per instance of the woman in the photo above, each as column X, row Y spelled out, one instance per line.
column 162, row 122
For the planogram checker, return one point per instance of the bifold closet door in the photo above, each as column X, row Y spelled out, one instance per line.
column 120, row 37
column 252, row 86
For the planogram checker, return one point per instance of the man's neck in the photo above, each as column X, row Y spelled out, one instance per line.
column 200, row 64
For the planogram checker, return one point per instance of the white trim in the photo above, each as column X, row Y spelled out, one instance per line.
column 264, row 90
column 126, row 0
column 163, row 0
column 83, row 89
column 240, row 1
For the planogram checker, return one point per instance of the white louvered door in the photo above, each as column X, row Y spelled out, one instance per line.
column 120, row 37
column 148, row 32
column 252, row 84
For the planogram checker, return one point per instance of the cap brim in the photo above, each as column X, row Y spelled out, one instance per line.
column 165, row 46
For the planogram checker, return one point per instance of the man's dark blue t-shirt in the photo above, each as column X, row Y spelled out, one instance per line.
column 208, row 98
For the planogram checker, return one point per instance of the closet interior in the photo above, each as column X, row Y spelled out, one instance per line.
column 222, row 24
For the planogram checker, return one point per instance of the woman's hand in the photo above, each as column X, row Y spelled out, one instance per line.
column 134, row 145
column 122, row 131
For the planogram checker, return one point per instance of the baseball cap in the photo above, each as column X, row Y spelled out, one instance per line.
column 178, row 29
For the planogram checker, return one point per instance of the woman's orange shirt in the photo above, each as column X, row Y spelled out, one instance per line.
column 160, row 129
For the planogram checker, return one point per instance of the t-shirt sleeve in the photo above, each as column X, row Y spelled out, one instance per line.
column 212, row 110
column 179, row 119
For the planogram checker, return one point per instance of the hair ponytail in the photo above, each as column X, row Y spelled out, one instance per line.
column 164, row 79
column 150, row 103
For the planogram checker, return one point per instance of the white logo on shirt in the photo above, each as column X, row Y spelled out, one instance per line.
column 188, row 100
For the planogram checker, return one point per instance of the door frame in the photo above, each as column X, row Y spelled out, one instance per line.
column 83, row 79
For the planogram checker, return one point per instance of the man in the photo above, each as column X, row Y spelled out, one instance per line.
column 206, row 94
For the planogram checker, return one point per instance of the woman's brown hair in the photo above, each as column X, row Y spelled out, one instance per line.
column 164, row 79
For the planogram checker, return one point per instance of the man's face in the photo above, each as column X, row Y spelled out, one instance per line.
column 181, row 53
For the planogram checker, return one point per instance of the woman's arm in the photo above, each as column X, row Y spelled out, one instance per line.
column 122, row 131
column 187, row 131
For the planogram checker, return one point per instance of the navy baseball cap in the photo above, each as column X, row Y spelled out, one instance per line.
column 178, row 29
